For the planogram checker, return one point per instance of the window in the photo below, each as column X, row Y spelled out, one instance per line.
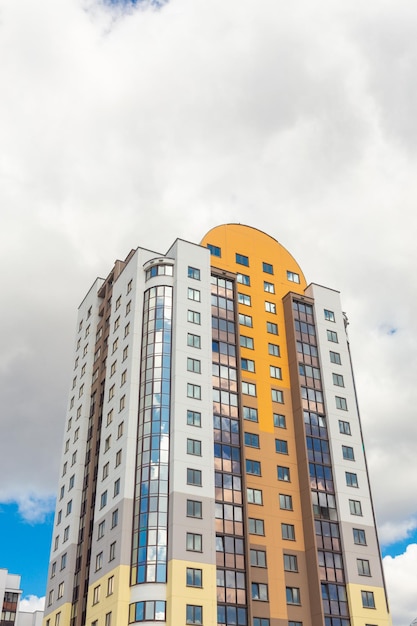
column 242, row 259
column 194, row 341
column 279, row 421
column 269, row 287
column 338, row 380
column 53, row 569
column 253, row 467
column 332, row 336
column 251, row 440
column 355, row 507
column 250, row 413
column 64, row 468
column 128, row 307
column 270, row 307
column 275, row 372
column 261, row 621
column 122, row 403
column 71, row 482
column 74, row 458
column 96, row 594
column 246, row 342
column 351, row 479
column 193, row 418
column 260, row 592
column 118, row 458
column 341, row 403
column 348, row 453
column 63, row 561
column 120, row 430
column 368, row 600
column 194, row 294
column 193, row 391
column 194, row 477
column 194, row 542
column 111, row 392
column 256, row 526
column 272, row 328
column 243, row 298
column 194, row 317
column 247, row 365
column 69, row 507
column 194, row 273
column 254, row 496
column 116, row 323
column 116, row 490
column 61, row 494
column 290, row 563
column 249, row 389
column 60, row 590
column 243, row 279
column 99, row 561
column 194, row 447
column 59, row 517
column 283, row 473
column 129, row 286
column 58, row 619
column 344, row 427
column 123, row 378
column 245, row 320
column 359, row 537
column 293, row 277
column 100, row 529
column 112, row 551
column 103, row 499
column 267, row 268
column 110, row 585
column 194, row 577
column 150, row 610
column 288, row 532
column 293, row 595
column 114, row 347
column 194, row 614
column 194, row 508
column 214, row 250
column 273, row 349
column 363, row 567
column 115, row 518
column 329, row 315
column 277, row 396
column 118, row 302
column 281, row 446
column 109, row 417
column 193, row 365
column 285, row 502
column 258, row 558
column 335, row 358
column 66, row 534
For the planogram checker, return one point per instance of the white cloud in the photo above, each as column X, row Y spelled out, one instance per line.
column 30, row 604
column 401, row 579
column 297, row 118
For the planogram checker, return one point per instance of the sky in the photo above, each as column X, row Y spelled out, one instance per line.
column 125, row 126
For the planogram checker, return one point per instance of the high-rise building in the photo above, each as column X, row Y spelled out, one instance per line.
column 10, row 596
column 213, row 469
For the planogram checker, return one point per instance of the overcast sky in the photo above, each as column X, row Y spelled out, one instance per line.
column 127, row 128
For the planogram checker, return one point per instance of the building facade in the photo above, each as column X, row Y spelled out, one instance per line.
column 213, row 468
column 10, row 596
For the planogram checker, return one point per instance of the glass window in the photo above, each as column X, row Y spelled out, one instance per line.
column 355, row 507
column 193, row 391
column 273, row 349
column 290, row 563
column 332, row 336
column 246, row 342
column 194, row 273
column 283, row 473
column 194, row 294
column 260, row 592
column 338, row 380
column 194, row 317
column 247, row 365
column 272, row 328
column 253, row 467
column 277, row 396
column 193, row 418
column 242, row 259
column 281, row 446
column 258, row 558
column 285, row 502
column 243, row 298
column 245, row 320
column 270, row 307
column 279, row 420
column 194, row 577
column 363, row 567
column 288, row 532
column 214, row 250
column 250, row 413
column 341, row 403
column 193, row 365
column 251, row 440
column 351, row 479
column 293, row 277
column 368, row 600
column 194, row 614
column 194, row 542
column 335, row 358
column 329, row 315
column 359, row 536
column 269, row 287
column 256, row 526
column 348, row 453
column 275, row 372
column 344, row 427
column 194, row 508
column 267, row 268
column 243, row 279
column 194, row 341
column 293, row 595
column 194, row 447
column 249, row 389
column 254, row 496
column 261, row 621
column 194, row 477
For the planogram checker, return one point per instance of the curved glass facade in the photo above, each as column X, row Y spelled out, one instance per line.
column 149, row 543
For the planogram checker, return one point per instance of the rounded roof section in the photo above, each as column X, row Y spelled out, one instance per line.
column 256, row 245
